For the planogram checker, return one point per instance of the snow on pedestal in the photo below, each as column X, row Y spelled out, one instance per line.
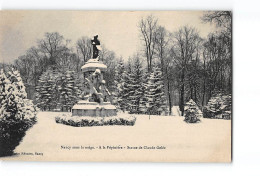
column 92, row 65
column 95, row 108
column 96, row 97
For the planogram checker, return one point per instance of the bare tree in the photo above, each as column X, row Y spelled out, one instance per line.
column 183, row 52
column 220, row 18
column 161, row 48
column 84, row 48
column 216, row 64
column 223, row 20
column 161, row 44
column 26, row 65
column 51, row 50
column 109, row 59
column 52, row 46
column 148, row 27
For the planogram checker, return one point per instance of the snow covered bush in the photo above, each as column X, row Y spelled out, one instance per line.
column 192, row 112
column 219, row 107
column 80, row 121
column 190, row 104
column 18, row 114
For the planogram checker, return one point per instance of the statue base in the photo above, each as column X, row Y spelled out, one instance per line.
column 93, row 109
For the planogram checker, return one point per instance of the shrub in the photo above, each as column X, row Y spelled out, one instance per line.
column 11, row 133
column 77, row 121
column 17, row 114
column 192, row 112
column 218, row 107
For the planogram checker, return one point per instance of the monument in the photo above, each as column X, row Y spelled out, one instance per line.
column 96, row 97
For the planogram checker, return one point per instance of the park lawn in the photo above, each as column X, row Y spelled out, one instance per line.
column 168, row 138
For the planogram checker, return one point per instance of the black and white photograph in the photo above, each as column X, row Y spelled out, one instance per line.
column 116, row 86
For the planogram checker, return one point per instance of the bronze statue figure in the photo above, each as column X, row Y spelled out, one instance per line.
column 96, row 46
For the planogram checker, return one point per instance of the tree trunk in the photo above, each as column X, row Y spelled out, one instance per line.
column 169, row 93
column 204, row 84
column 181, row 103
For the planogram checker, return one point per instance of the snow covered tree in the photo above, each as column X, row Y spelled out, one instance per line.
column 136, row 88
column 5, row 87
column 150, row 94
column 192, row 112
column 57, row 89
column 14, row 102
column 156, row 99
column 17, row 95
column 219, row 106
column 160, row 91
column 126, row 89
column 67, row 90
column 17, row 113
column 45, row 93
column 144, row 99
column 118, row 84
column 15, row 78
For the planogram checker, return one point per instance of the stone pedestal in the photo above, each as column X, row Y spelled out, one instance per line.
column 96, row 99
column 93, row 109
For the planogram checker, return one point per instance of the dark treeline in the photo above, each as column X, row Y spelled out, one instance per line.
column 189, row 66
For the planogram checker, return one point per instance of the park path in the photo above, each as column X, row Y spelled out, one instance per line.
column 175, row 111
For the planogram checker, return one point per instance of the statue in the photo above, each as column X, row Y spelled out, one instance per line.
column 96, row 47
column 96, row 98
column 94, row 81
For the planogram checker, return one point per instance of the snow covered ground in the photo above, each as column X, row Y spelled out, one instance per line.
column 168, row 138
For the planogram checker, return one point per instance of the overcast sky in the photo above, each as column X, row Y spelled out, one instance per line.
column 117, row 30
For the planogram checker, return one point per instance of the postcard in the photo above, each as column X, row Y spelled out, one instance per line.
column 116, row 86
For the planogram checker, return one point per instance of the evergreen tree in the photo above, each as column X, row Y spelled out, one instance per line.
column 28, row 109
column 137, row 89
column 14, row 102
column 118, row 84
column 45, row 91
column 124, row 98
column 160, row 97
column 67, row 90
column 144, row 98
column 155, row 95
column 192, row 112
column 17, row 113
column 57, row 89
column 150, row 94
column 219, row 106
column 15, row 78
column 5, row 87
